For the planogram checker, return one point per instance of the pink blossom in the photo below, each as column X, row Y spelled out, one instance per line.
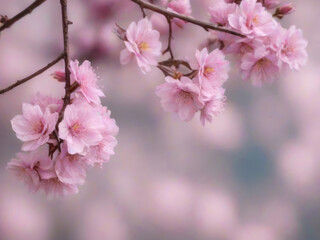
column 259, row 66
column 291, row 48
column 32, row 168
column 270, row 4
column 180, row 97
column 242, row 46
column 87, row 79
column 80, row 128
column 102, row 152
column 178, row 6
column 213, row 106
column 143, row 43
column 220, row 11
column 53, row 187
column 70, row 169
column 34, row 126
column 252, row 19
column 54, row 104
column 213, row 70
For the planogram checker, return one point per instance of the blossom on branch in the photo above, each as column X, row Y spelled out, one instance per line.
column 87, row 79
column 252, row 19
column 34, row 126
column 78, row 135
column 142, row 42
column 180, row 96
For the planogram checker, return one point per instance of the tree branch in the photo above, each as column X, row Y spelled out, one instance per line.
column 169, row 49
column 19, row 82
column 65, row 26
column 166, row 13
column 20, row 15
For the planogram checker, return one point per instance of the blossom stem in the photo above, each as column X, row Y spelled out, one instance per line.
column 19, row 82
column 166, row 13
column 65, row 26
column 8, row 23
column 169, row 49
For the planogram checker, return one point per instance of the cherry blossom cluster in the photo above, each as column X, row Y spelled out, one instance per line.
column 268, row 48
column 61, row 141
column 246, row 30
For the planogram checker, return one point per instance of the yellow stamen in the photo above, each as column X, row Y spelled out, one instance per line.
column 144, row 46
column 209, row 69
column 75, row 127
column 255, row 20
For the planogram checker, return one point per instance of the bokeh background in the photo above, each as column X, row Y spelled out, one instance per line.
column 253, row 174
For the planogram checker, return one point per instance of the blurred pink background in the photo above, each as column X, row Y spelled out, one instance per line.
column 253, row 174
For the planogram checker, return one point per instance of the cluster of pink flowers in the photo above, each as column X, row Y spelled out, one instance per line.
column 203, row 93
column 60, row 146
column 183, row 95
column 265, row 50
column 268, row 48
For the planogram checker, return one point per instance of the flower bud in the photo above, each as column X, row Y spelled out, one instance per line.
column 120, row 32
column 59, row 75
column 284, row 10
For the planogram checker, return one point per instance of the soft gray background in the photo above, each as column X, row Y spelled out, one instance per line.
column 253, row 174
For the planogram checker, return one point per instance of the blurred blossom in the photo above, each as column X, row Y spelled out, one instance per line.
column 282, row 216
column 21, row 216
column 300, row 169
column 255, row 231
column 159, row 185
column 225, row 132
column 101, row 220
column 171, row 203
column 215, row 214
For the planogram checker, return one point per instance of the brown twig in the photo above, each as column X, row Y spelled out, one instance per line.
column 143, row 12
column 19, row 82
column 20, row 15
column 169, row 49
column 166, row 13
column 65, row 26
column 175, row 62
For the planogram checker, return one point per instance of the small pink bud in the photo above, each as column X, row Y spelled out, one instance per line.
column 120, row 32
column 284, row 10
column 59, row 75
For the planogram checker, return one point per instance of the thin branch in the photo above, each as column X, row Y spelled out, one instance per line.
column 19, row 82
column 143, row 12
column 169, row 49
column 194, row 21
column 65, row 26
column 20, row 15
column 175, row 62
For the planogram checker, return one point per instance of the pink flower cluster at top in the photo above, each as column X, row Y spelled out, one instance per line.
column 203, row 93
column 268, row 48
column 265, row 50
column 57, row 153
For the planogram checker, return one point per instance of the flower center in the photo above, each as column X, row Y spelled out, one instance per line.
column 288, row 50
column 76, row 128
column 261, row 62
column 183, row 96
column 208, row 71
column 72, row 157
column 144, row 46
column 255, row 20
column 37, row 127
